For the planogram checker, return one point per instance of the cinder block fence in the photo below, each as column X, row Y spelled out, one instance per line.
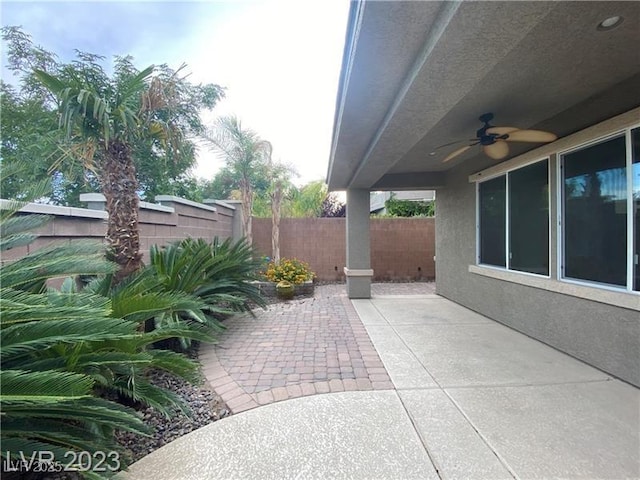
column 169, row 220
column 401, row 249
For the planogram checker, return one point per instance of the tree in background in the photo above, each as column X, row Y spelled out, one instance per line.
column 333, row 207
column 307, row 200
column 245, row 154
column 409, row 208
column 107, row 119
column 30, row 137
column 279, row 189
column 226, row 185
column 29, row 124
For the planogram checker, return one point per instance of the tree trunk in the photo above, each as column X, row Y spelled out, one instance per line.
column 276, row 205
column 119, row 186
column 246, row 192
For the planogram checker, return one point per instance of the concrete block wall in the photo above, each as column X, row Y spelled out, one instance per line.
column 168, row 221
column 401, row 248
column 67, row 225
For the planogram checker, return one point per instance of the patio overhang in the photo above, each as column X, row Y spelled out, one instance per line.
column 416, row 75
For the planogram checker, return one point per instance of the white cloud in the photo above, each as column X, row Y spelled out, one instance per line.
column 280, row 62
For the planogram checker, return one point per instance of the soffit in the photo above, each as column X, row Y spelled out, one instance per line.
column 530, row 63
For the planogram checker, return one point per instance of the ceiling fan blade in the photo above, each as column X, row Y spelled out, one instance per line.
column 531, row 136
column 448, row 144
column 497, row 150
column 455, row 153
column 501, row 130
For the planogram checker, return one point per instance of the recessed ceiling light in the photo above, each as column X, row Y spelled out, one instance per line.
column 610, row 23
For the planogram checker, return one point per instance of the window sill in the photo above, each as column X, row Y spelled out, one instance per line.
column 619, row 299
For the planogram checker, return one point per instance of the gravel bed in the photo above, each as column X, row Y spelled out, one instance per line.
column 205, row 406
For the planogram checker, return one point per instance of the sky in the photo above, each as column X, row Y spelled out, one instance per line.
column 278, row 60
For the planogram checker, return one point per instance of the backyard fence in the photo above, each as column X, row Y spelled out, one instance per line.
column 169, row 220
column 401, row 248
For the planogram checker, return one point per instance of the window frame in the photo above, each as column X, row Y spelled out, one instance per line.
column 560, row 211
column 505, row 173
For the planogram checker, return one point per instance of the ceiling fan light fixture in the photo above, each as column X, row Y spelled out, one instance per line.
column 494, row 139
column 610, row 23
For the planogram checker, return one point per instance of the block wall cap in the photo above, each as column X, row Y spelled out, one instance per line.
column 184, row 201
column 156, row 207
column 45, row 209
column 222, row 203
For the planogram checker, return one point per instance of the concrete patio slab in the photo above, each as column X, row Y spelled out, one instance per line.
column 425, row 311
column 369, row 315
column 356, row 435
column 580, row 430
column 467, row 399
column 492, row 354
column 455, row 447
column 403, row 367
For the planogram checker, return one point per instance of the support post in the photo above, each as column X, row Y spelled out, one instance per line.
column 236, row 226
column 358, row 270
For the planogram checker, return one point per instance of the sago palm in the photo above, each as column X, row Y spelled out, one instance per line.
column 217, row 273
column 54, row 408
column 244, row 153
column 62, row 351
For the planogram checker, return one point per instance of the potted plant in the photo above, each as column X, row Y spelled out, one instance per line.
column 285, row 290
column 294, row 272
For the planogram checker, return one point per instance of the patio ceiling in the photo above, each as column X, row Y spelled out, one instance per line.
column 417, row 75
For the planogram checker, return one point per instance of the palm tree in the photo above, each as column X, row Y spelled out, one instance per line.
column 307, row 200
column 279, row 188
column 244, row 153
column 104, row 117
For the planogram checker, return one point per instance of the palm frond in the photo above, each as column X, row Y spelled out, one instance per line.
column 19, row 224
column 79, row 258
column 43, row 386
column 19, row 306
column 20, row 339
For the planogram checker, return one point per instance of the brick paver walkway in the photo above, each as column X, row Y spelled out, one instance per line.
column 297, row 348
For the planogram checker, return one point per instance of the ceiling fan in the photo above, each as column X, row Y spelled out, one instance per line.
column 494, row 139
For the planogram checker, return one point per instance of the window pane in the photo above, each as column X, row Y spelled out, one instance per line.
column 635, row 172
column 529, row 219
column 595, row 213
column 492, row 221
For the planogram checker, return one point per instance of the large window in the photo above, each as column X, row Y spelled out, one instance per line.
column 598, row 213
column 595, row 213
column 529, row 219
column 517, row 203
column 492, row 222
column 600, row 197
column 635, row 205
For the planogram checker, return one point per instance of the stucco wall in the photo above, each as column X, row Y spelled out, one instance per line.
column 601, row 334
column 401, row 248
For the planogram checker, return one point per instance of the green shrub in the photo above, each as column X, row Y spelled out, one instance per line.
column 292, row 270
column 409, row 208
